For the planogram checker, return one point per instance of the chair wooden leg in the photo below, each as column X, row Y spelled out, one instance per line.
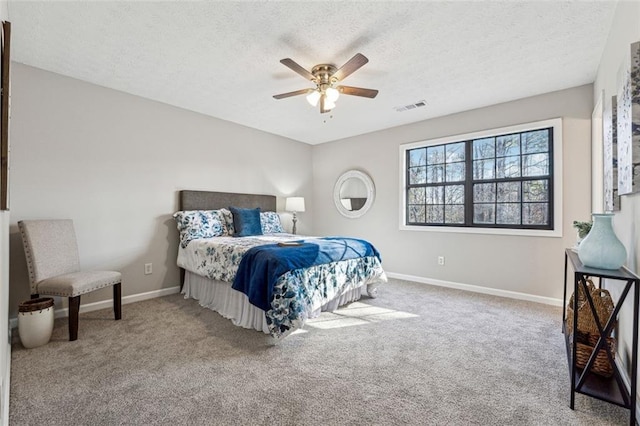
column 117, row 300
column 74, row 310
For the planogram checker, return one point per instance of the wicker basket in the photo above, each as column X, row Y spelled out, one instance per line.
column 587, row 334
column 33, row 305
column 603, row 304
column 582, row 299
column 584, row 348
column 581, row 296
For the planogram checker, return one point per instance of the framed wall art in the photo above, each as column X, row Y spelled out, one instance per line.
column 610, row 151
column 628, row 123
column 598, row 179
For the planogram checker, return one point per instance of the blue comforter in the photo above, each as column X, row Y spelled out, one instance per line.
column 261, row 266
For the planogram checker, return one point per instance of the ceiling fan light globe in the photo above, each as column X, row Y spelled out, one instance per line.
column 313, row 98
column 332, row 94
column 328, row 104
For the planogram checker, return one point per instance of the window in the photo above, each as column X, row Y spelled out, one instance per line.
column 502, row 179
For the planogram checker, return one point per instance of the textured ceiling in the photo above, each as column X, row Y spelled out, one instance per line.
column 222, row 58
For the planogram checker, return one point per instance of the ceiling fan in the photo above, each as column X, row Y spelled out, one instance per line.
column 325, row 77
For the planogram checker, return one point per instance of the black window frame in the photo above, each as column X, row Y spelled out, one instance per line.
column 469, row 182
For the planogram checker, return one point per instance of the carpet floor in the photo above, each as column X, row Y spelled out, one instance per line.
column 416, row 355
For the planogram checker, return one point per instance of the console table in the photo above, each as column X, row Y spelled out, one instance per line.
column 610, row 389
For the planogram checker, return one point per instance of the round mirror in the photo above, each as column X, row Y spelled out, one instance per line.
column 353, row 193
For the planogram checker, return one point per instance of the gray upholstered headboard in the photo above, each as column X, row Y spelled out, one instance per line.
column 208, row 200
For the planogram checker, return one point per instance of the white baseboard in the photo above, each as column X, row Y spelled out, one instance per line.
column 104, row 304
column 478, row 289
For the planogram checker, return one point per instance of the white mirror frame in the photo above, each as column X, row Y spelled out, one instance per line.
column 371, row 193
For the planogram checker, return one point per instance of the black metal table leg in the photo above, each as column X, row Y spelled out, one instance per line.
column 574, row 338
column 564, row 293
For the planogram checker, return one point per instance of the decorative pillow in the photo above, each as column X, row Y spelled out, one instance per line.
column 270, row 222
column 246, row 221
column 194, row 224
column 227, row 220
column 219, row 216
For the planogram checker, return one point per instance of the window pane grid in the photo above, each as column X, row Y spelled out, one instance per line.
column 503, row 181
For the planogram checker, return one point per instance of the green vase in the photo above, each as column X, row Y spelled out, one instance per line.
column 601, row 248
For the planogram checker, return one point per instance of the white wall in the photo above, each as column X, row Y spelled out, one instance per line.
column 5, row 346
column 114, row 162
column 624, row 31
column 531, row 265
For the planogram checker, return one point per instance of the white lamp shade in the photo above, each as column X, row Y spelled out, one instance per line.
column 294, row 204
column 313, row 98
column 332, row 94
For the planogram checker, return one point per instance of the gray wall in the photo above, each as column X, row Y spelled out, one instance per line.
column 530, row 265
column 624, row 31
column 114, row 162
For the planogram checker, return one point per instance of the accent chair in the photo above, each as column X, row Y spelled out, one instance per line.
column 54, row 267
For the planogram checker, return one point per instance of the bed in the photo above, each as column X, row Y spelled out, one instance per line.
column 215, row 271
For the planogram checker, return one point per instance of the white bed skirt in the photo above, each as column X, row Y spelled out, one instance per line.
column 234, row 305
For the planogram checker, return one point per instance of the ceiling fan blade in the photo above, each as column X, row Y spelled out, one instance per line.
column 358, row 91
column 322, row 107
column 352, row 65
column 288, row 62
column 289, row 94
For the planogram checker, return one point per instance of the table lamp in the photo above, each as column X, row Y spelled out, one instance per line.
column 294, row 204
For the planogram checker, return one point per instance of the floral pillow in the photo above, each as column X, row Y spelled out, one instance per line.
column 194, row 224
column 270, row 222
column 227, row 221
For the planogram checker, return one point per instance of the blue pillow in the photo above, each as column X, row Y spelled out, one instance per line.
column 246, row 221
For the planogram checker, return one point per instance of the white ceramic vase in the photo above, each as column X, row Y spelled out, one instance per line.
column 601, row 248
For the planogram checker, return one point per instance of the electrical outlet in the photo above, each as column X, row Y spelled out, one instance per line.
column 148, row 268
column 441, row 260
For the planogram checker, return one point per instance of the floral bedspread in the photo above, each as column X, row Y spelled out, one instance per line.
column 297, row 293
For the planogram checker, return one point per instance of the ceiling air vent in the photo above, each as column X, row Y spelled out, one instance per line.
column 418, row 104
